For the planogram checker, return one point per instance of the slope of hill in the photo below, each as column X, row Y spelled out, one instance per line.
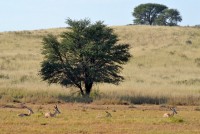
column 165, row 66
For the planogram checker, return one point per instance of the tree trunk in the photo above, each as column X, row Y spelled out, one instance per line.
column 82, row 92
column 150, row 22
column 88, row 87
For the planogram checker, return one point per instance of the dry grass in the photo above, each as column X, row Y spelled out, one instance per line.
column 164, row 68
column 90, row 119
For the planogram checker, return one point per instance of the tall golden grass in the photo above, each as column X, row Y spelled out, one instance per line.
column 165, row 67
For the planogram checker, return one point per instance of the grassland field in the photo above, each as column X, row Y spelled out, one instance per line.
column 77, row 118
column 164, row 71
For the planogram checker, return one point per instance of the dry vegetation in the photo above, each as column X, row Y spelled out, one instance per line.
column 165, row 68
column 91, row 119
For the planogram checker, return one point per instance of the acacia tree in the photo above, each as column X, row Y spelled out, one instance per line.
column 147, row 13
column 85, row 54
column 169, row 17
column 156, row 14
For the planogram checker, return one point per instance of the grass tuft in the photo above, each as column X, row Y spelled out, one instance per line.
column 176, row 120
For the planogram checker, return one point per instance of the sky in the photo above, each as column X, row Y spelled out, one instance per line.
column 18, row 15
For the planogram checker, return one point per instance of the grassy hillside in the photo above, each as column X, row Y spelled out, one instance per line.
column 165, row 67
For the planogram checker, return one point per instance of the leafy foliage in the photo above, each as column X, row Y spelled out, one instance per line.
column 147, row 13
column 85, row 55
column 156, row 14
column 169, row 17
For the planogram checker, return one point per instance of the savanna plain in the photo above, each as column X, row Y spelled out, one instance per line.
column 163, row 72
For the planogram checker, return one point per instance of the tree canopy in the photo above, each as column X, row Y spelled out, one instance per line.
column 169, row 17
column 156, row 14
column 85, row 54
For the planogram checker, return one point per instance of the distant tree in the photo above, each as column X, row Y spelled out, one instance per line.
column 146, row 14
column 156, row 14
column 85, row 54
column 169, row 17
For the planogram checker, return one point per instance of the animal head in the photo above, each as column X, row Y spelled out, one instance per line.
column 173, row 110
column 29, row 109
column 56, row 109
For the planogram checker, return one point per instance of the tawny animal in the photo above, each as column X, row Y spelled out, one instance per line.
column 30, row 112
column 167, row 115
column 108, row 114
column 56, row 111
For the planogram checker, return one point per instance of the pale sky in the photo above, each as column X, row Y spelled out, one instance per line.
column 41, row 14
